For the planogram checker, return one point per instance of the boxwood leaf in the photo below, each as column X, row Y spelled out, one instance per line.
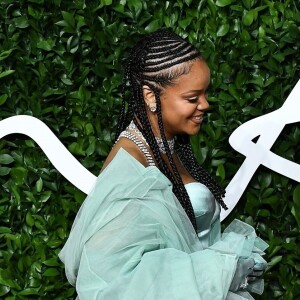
column 153, row 26
column 5, row 54
column 21, row 22
column 51, row 272
column 3, row 98
column 223, row 30
column 249, row 17
column 39, row 185
column 4, row 290
column 223, row 3
column 6, row 73
column 6, row 159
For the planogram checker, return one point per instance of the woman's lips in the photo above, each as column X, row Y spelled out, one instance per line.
column 197, row 119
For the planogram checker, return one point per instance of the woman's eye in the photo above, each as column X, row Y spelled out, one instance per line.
column 193, row 100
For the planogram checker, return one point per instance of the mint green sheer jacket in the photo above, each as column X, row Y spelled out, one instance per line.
column 132, row 240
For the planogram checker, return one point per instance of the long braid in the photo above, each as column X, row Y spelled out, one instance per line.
column 122, row 122
column 179, row 188
column 156, row 61
column 187, row 157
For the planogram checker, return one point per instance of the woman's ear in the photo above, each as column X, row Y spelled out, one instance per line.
column 149, row 98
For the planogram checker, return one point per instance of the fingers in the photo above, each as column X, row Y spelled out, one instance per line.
column 257, row 273
column 260, row 266
column 248, row 265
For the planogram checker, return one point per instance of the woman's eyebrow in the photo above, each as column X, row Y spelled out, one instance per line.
column 194, row 91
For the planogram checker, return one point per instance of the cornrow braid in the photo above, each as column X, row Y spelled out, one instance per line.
column 156, row 61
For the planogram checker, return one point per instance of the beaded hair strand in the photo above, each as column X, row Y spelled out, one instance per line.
column 156, row 61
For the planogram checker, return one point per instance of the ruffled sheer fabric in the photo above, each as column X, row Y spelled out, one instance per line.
column 132, row 240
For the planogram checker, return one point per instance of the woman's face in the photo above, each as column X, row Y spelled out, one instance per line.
column 183, row 104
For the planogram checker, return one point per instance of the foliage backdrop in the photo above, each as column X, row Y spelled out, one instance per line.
column 60, row 61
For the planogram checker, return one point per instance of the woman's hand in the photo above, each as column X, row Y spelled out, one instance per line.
column 244, row 268
column 247, row 271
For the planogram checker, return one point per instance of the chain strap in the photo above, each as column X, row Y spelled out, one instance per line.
column 127, row 134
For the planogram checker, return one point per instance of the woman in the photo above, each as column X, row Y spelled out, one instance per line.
column 150, row 228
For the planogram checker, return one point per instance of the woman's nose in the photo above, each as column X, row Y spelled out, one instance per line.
column 203, row 103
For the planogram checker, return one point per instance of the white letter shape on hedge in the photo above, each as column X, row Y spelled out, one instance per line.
column 268, row 128
column 58, row 154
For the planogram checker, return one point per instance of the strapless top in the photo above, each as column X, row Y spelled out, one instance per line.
column 207, row 212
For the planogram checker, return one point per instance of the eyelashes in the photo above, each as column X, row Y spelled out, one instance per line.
column 197, row 94
column 193, row 99
column 196, row 98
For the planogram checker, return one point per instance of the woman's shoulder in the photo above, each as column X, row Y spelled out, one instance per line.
column 130, row 147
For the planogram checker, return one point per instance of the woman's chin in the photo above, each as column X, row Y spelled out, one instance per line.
column 193, row 131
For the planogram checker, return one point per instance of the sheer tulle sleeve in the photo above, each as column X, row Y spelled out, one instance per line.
column 132, row 240
column 137, row 257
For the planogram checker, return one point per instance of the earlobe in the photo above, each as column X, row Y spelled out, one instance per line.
column 149, row 98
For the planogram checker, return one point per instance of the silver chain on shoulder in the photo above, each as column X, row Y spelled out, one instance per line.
column 127, row 134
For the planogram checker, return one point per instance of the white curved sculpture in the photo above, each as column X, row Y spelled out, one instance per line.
column 268, row 127
column 57, row 153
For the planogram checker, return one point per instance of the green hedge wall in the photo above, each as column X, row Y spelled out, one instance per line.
column 60, row 61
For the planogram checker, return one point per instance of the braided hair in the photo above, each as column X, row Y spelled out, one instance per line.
column 156, row 61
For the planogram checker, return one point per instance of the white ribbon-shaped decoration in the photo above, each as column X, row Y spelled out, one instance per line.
column 267, row 127
column 57, row 153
